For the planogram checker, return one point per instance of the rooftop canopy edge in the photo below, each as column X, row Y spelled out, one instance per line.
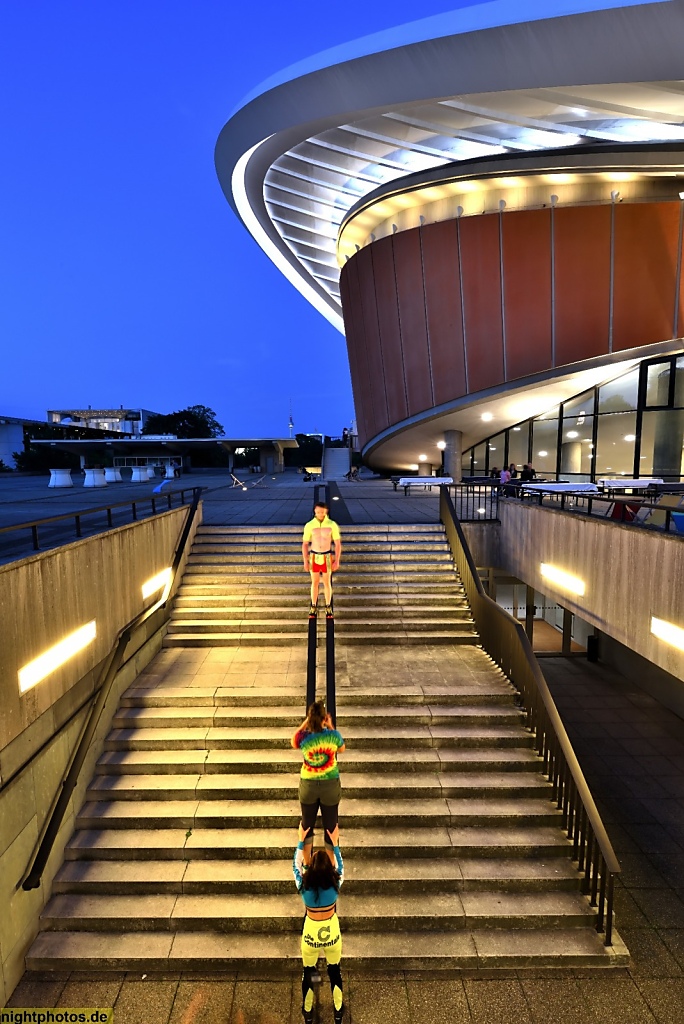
column 486, row 80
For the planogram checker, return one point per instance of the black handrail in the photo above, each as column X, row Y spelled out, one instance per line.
column 110, row 669
column 33, row 524
column 505, row 641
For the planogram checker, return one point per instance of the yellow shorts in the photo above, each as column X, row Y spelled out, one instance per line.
column 321, row 938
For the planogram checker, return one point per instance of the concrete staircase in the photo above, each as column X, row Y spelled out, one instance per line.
column 245, row 585
column 454, row 852
column 336, row 463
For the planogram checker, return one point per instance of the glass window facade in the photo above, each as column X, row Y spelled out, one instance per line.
column 632, row 426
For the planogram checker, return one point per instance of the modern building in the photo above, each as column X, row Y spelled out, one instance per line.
column 125, row 421
column 489, row 203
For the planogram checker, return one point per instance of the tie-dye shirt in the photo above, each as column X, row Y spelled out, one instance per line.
column 319, row 750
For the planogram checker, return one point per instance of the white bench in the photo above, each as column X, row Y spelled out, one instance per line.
column 407, row 482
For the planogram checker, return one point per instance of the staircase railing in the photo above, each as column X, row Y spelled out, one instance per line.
column 506, row 642
column 110, row 668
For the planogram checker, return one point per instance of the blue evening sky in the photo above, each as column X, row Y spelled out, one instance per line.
column 126, row 277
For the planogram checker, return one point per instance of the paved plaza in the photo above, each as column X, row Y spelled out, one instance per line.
column 285, row 498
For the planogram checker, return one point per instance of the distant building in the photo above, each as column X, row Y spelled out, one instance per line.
column 124, row 421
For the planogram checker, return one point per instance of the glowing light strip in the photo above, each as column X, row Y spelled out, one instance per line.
column 272, row 251
column 56, row 656
column 668, row 632
column 156, row 583
column 564, row 580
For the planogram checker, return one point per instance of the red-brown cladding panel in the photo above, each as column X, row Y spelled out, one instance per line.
column 481, row 274
column 408, row 266
column 645, row 269
column 388, row 319
column 527, row 291
column 443, row 304
column 362, row 298
column 582, row 282
column 374, row 368
column 356, row 345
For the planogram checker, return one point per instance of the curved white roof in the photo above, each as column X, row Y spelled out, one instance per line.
column 487, row 80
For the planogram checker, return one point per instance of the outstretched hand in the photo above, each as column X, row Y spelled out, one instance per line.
column 335, row 836
column 303, row 832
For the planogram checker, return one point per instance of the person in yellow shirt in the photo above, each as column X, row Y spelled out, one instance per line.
column 320, row 533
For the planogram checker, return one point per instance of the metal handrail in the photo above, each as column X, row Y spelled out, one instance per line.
column 33, row 524
column 102, row 691
column 574, row 502
column 506, row 642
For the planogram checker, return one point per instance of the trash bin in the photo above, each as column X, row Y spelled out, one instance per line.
column 592, row 648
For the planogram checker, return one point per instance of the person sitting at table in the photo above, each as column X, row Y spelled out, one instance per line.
column 513, row 471
column 528, row 473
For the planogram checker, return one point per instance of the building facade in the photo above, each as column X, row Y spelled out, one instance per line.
column 491, row 208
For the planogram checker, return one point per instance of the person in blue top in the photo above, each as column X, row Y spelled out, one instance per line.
column 318, row 885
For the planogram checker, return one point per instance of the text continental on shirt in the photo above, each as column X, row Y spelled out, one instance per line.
column 319, row 750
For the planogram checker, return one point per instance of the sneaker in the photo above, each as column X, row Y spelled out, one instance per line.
column 313, row 611
column 338, row 1014
column 328, row 611
column 308, row 1016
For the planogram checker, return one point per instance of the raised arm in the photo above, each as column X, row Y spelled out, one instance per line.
column 298, row 858
column 335, row 840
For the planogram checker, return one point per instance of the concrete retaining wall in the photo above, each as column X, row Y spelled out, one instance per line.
column 43, row 599
column 630, row 574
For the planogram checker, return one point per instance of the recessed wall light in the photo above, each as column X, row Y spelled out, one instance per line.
column 562, row 579
column 33, row 673
column 668, row 632
column 156, row 583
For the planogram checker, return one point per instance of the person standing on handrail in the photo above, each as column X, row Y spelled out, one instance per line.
column 320, row 533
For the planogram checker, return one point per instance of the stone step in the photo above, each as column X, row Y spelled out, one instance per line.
column 200, row 581
column 407, row 638
column 238, row 762
column 370, row 624
column 192, row 610
column 397, row 738
column 266, row 843
column 213, row 877
column 492, row 811
column 145, row 692
column 424, row 714
column 357, row 785
column 375, row 530
column 187, row 597
column 480, row 949
column 230, row 912
column 256, row 572
column 235, row 547
column 292, row 559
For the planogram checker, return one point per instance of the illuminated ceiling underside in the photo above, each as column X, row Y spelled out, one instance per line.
column 310, row 189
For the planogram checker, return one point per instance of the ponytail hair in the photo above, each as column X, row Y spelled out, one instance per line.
column 315, row 716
